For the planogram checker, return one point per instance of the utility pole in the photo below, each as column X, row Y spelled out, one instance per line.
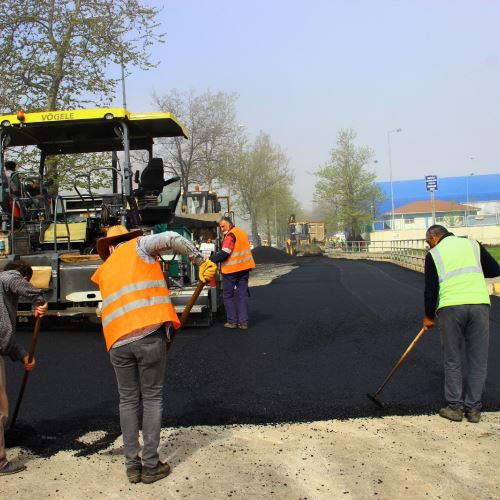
column 275, row 223
column 390, row 174
column 433, row 204
column 124, row 95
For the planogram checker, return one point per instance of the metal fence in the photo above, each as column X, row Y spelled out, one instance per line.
column 406, row 253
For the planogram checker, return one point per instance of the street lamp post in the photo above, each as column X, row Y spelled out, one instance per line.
column 390, row 173
column 467, row 198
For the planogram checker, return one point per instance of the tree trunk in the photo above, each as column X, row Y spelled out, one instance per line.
column 268, row 227
column 184, row 197
column 255, row 232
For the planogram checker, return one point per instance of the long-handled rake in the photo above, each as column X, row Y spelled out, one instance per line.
column 374, row 397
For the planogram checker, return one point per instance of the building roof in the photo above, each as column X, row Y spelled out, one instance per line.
column 425, row 207
column 464, row 189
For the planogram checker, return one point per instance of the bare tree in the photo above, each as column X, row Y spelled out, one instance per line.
column 210, row 119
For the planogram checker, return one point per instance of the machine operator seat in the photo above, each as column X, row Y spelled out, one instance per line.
column 152, row 179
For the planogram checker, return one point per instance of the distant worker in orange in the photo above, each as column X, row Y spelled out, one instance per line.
column 236, row 262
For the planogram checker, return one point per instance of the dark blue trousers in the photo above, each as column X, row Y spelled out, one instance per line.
column 236, row 304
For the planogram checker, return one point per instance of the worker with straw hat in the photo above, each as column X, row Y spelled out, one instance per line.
column 137, row 314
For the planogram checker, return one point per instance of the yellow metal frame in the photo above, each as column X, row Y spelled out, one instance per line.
column 64, row 115
column 81, row 115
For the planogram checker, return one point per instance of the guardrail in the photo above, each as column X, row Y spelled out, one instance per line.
column 406, row 253
column 409, row 253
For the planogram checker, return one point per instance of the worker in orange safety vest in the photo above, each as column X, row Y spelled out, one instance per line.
column 137, row 314
column 236, row 262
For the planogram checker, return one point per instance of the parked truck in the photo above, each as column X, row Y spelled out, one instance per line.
column 317, row 232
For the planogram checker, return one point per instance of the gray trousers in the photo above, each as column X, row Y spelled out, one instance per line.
column 140, row 373
column 465, row 328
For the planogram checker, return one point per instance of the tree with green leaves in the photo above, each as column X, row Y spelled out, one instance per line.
column 277, row 207
column 56, row 54
column 254, row 174
column 210, row 119
column 346, row 188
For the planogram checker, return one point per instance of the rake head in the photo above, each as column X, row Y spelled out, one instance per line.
column 375, row 399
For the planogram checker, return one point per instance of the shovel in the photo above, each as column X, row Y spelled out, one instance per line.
column 34, row 340
column 186, row 311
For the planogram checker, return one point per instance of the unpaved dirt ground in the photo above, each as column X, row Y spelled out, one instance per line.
column 417, row 457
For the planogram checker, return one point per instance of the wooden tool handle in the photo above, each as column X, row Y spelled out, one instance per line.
column 186, row 311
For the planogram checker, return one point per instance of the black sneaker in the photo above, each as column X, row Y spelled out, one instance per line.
column 230, row 325
column 10, row 468
column 451, row 414
column 150, row 475
column 473, row 416
column 134, row 474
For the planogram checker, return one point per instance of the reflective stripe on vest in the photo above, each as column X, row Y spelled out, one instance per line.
column 131, row 306
column 133, row 287
column 461, row 279
column 464, row 270
column 234, row 262
column 135, row 294
column 241, row 258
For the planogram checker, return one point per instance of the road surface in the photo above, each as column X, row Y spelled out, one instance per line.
column 320, row 338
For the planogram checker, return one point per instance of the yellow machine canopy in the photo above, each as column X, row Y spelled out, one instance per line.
column 87, row 130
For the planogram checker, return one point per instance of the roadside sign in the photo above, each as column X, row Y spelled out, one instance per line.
column 431, row 183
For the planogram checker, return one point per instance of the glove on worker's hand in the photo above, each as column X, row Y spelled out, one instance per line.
column 207, row 271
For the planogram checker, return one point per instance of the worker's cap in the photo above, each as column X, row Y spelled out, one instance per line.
column 115, row 235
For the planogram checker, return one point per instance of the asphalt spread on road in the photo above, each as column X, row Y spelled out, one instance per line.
column 320, row 338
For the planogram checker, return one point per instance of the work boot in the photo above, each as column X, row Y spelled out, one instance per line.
column 473, row 416
column 134, row 474
column 451, row 414
column 243, row 327
column 151, row 474
column 10, row 468
column 230, row 325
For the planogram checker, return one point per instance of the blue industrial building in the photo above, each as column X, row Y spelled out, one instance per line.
column 471, row 188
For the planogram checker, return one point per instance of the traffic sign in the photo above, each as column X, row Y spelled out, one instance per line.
column 431, row 183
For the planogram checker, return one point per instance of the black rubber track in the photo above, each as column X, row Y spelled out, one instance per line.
column 321, row 337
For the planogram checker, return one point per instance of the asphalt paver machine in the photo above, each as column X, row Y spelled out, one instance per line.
column 56, row 233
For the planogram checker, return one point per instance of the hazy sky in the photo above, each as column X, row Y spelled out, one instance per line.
column 303, row 70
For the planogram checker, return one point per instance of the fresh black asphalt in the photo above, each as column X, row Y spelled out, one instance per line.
column 321, row 337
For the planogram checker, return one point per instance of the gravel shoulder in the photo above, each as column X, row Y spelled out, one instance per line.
column 391, row 457
column 264, row 274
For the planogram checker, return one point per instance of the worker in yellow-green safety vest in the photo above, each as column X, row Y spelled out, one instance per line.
column 456, row 296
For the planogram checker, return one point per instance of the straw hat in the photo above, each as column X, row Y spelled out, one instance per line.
column 114, row 235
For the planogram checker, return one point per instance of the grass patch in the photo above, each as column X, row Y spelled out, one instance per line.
column 495, row 252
